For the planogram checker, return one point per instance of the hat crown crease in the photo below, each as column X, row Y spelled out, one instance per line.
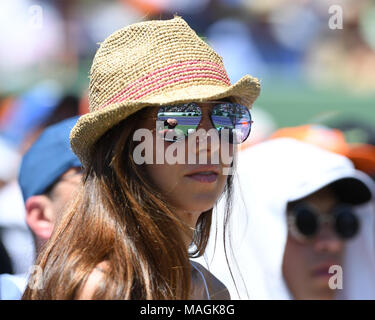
column 149, row 58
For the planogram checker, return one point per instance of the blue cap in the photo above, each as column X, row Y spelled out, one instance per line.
column 47, row 159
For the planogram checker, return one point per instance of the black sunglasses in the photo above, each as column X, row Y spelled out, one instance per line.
column 229, row 119
column 304, row 221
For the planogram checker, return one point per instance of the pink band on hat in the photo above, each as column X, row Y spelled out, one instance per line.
column 180, row 79
column 138, row 85
column 178, row 72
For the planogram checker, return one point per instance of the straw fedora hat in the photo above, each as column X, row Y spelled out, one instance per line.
column 152, row 63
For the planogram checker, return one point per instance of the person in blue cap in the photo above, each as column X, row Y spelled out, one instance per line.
column 49, row 175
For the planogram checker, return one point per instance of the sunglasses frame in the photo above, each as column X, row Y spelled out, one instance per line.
column 330, row 219
column 214, row 126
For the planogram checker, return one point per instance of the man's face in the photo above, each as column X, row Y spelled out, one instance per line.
column 306, row 263
column 63, row 190
column 42, row 211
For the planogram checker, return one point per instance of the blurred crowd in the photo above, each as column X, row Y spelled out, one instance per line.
column 46, row 48
column 293, row 38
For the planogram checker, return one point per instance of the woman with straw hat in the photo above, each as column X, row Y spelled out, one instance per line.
column 132, row 228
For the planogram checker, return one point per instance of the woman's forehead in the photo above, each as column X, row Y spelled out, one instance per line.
column 208, row 103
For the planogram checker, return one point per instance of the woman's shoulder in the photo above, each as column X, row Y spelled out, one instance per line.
column 87, row 291
column 217, row 290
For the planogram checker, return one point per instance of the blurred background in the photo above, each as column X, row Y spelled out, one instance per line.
column 310, row 72
column 313, row 69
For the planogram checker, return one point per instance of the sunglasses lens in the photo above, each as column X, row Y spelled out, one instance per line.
column 232, row 120
column 306, row 221
column 178, row 121
column 347, row 223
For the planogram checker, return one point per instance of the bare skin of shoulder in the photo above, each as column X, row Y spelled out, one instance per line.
column 95, row 277
column 216, row 288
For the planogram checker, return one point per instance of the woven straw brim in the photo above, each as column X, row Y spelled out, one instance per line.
column 90, row 127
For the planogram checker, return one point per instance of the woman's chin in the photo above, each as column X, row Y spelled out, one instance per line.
column 197, row 210
column 191, row 212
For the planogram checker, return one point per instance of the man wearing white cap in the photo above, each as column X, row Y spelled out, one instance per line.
column 302, row 228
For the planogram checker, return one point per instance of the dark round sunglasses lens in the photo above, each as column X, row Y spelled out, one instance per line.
column 347, row 224
column 232, row 119
column 179, row 121
column 306, row 221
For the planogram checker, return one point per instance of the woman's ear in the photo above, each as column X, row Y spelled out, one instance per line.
column 40, row 216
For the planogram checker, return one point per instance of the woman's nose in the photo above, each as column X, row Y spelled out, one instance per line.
column 206, row 123
column 205, row 141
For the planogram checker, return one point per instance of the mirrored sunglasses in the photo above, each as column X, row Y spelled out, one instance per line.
column 231, row 120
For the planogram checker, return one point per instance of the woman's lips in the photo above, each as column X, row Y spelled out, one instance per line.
column 205, row 177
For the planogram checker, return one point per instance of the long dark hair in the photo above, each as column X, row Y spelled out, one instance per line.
column 119, row 217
